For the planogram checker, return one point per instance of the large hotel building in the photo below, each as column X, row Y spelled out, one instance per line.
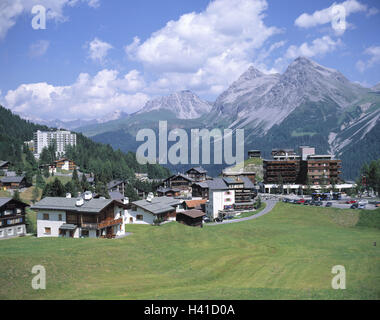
column 43, row 139
column 303, row 168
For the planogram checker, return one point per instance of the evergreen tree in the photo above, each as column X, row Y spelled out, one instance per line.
column 16, row 195
column 40, row 183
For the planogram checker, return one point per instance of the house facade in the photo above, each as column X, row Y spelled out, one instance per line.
column 197, row 174
column 13, row 182
column 179, row 181
column 148, row 210
column 229, row 194
column 12, row 218
column 81, row 217
column 65, row 164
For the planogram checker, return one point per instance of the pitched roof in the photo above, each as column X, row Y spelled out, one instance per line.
column 198, row 169
column 195, row 203
column 114, row 183
column 59, row 203
column 217, row 184
column 116, row 195
column 221, row 183
column 193, row 213
column 164, row 190
column 203, row 184
column 180, row 175
column 16, row 179
column 4, row 201
column 3, row 163
column 158, row 205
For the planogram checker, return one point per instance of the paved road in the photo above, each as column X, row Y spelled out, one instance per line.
column 268, row 208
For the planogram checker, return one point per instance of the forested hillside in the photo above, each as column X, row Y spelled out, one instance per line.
column 99, row 159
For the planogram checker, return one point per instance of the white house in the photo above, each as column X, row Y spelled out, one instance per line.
column 226, row 193
column 81, row 217
column 146, row 211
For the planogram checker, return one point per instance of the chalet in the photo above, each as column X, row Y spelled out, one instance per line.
column 200, row 189
column 116, row 185
column 50, row 167
column 13, row 182
column 12, row 218
column 197, row 174
column 65, row 164
column 4, row 165
column 168, row 192
column 80, row 217
column 148, row 210
column 192, row 218
column 179, row 181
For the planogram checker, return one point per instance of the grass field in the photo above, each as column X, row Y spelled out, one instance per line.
column 286, row 254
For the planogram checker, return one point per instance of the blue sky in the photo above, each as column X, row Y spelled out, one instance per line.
column 98, row 56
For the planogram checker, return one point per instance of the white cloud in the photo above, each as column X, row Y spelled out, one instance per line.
column 88, row 97
column 38, row 48
column 205, row 51
column 10, row 10
column 374, row 53
column 328, row 15
column 98, row 50
column 318, row 47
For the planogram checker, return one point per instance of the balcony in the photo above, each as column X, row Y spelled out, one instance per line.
column 109, row 223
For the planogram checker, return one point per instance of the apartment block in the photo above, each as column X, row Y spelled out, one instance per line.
column 42, row 139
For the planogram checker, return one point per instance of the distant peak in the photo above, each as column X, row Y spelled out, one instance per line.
column 250, row 74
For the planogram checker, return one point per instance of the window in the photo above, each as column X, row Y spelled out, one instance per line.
column 19, row 230
column 47, row 230
column 59, row 217
column 139, row 217
column 45, row 216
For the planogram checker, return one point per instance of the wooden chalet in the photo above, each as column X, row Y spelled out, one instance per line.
column 12, row 218
column 179, row 181
column 197, row 174
column 65, row 164
column 13, row 182
column 193, row 218
column 168, row 192
column 200, row 190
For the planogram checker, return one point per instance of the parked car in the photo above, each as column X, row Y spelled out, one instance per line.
column 351, row 201
column 354, row 206
column 329, row 204
column 307, row 202
column 318, row 203
column 300, row 201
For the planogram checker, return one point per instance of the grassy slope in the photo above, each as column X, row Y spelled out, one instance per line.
column 286, row 254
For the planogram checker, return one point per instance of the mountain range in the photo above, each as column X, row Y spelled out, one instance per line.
column 306, row 105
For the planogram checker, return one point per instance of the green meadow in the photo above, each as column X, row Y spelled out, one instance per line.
column 286, row 254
